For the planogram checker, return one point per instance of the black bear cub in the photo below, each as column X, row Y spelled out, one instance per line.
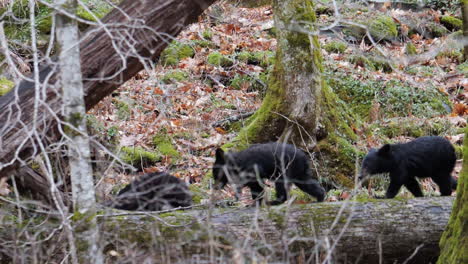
column 153, row 192
column 423, row 157
column 282, row 163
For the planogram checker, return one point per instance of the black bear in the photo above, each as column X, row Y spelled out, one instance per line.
column 282, row 163
column 423, row 157
column 153, row 192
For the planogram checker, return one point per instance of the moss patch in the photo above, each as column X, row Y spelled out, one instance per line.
column 218, row 59
column 454, row 241
column 394, row 97
column 410, row 49
column 174, row 76
column 139, row 157
column 383, row 28
column 451, row 23
column 163, row 145
column 335, row 47
column 175, row 52
column 5, row 86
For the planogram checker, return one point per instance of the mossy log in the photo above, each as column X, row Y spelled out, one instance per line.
column 454, row 242
column 107, row 61
column 389, row 231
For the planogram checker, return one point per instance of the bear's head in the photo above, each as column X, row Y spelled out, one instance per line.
column 219, row 174
column 377, row 161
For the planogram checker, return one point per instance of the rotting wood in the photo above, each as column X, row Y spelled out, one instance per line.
column 364, row 232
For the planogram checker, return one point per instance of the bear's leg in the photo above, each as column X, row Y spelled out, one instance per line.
column 445, row 184
column 256, row 191
column 413, row 186
column 454, row 183
column 393, row 189
column 313, row 188
column 281, row 193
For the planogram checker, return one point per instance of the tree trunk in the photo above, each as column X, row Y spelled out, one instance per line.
column 298, row 106
column 464, row 8
column 134, row 35
column 454, row 242
column 290, row 108
column 81, row 172
column 340, row 232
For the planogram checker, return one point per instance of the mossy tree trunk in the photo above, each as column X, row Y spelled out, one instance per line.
column 298, row 106
column 291, row 105
column 454, row 242
column 464, row 8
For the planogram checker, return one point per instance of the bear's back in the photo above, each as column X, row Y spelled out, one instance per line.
column 426, row 155
column 271, row 158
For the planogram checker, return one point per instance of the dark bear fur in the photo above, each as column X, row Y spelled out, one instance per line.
column 153, row 192
column 282, row 163
column 423, row 157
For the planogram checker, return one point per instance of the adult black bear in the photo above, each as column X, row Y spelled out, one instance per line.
column 153, row 192
column 423, row 157
column 282, row 163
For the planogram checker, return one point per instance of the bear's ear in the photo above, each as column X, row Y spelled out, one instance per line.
column 385, row 150
column 219, row 155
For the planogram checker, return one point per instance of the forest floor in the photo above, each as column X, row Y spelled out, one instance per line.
column 183, row 100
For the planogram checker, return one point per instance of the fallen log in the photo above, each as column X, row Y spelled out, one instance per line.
column 130, row 36
column 376, row 231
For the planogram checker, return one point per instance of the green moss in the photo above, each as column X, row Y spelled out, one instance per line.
column 243, row 56
column 207, row 34
column 139, row 157
column 451, row 23
column 458, row 151
column 335, row 47
column 175, row 52
column 362, row 61
column 381, row 64
column 383, row 28
column 174, row 76
column 203, row 43
column 463, row 68
column 436, row 29
column 410, row 49
column 453, row 54
column 394, row 97
column 163, row 145
column 336, row 161
column 123, row 109
column 262, row 58
column 254, row 3
column 217, row 59
column 249, row 83
column 5, row 86
column 302, row 196
column 413, row 127
column 421, row 70
column 324, row 10
column 198, row 193
column 454, row 241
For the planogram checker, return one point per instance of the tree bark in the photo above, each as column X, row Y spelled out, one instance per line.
column 81, row 172
column 454, row 242
column 290, row 108
column 342, row 232
column 129, row 37
column 299, row 107
column 464, row 8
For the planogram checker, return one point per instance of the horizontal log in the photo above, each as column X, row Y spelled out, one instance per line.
column 377, row 231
